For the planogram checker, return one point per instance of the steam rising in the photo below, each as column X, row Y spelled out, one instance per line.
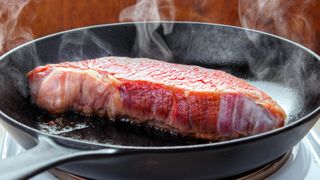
column 279, row 17
column 148, row 42
column 11, row 34
column 285, row 18
column 77, row 45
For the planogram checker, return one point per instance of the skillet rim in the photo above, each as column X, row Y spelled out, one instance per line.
column 207, row 146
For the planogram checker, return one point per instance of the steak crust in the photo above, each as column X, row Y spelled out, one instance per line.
column 188, row 100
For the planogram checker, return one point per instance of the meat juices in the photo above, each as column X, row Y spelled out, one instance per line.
column 188, row 100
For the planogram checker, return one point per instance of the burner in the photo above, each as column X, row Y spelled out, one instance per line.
column 60, row 174
column 260, row 173
column 268, row 169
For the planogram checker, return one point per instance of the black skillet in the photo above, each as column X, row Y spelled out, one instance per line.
column 98, row 149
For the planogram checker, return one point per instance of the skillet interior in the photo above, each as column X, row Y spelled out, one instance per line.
column 285, row 71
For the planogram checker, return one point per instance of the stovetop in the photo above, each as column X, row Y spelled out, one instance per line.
column 303, row 163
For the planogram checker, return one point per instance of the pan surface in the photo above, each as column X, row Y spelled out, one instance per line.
column 283, row 69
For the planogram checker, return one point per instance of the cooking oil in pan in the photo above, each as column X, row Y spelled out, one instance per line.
column 286, row 97
column 102, row 130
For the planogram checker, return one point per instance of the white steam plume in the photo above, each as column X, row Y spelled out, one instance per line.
column 148, row 42
column 11, row 34
column 288, row 19
column 79, row 45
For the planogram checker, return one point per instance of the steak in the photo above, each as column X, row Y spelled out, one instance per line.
column 184, row 99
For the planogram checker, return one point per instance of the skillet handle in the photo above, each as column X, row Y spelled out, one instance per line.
column 45, row 155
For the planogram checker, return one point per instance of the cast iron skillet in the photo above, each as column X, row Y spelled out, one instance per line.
column 97, row 149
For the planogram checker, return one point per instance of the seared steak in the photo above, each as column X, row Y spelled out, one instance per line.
column 189, row 100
